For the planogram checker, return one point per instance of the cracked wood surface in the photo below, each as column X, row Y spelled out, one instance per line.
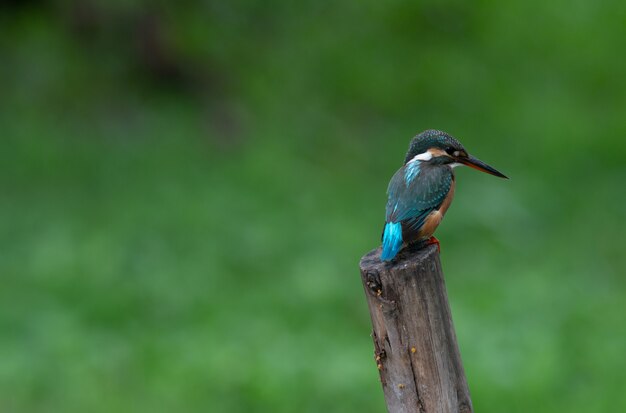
column 415, row 346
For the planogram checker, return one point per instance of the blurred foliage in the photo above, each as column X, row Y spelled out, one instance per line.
column 187, row 188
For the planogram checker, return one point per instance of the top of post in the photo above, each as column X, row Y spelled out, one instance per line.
column 408, row 257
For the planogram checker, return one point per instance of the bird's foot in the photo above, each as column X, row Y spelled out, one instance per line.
column 433, row 240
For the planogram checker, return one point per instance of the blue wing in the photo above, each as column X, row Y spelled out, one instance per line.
column 412, row 196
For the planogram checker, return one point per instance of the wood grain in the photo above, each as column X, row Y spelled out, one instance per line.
column 415, row 346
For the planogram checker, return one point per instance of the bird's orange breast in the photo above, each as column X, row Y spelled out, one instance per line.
column 433, row 219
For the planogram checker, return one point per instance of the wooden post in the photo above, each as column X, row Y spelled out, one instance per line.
column 415, row 345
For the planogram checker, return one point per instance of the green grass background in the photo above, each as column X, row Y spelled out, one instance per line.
column 188, row 239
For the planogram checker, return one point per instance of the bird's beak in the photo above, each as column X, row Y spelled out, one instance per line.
column 481, row 166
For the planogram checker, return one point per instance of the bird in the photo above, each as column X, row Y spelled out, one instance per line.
column 421, row 191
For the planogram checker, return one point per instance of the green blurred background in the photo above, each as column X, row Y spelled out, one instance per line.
column 187, row 188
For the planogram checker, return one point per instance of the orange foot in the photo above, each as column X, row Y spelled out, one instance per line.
column 433, row 240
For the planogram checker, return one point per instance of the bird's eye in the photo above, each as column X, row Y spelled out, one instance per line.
column 450, row 150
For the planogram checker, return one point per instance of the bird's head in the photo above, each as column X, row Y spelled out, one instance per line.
column 439, row 148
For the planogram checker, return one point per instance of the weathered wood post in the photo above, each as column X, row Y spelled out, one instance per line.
column 415, row 344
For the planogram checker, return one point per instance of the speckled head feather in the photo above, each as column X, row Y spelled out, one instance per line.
column 432, row 138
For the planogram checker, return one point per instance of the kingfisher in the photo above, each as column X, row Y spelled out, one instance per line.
column 420, row 192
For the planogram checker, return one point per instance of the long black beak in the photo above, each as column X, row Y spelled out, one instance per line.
column 481, row 166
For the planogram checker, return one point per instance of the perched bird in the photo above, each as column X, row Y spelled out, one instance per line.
column 421, row 191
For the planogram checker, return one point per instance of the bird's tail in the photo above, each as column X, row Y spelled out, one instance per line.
column 392, row 240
